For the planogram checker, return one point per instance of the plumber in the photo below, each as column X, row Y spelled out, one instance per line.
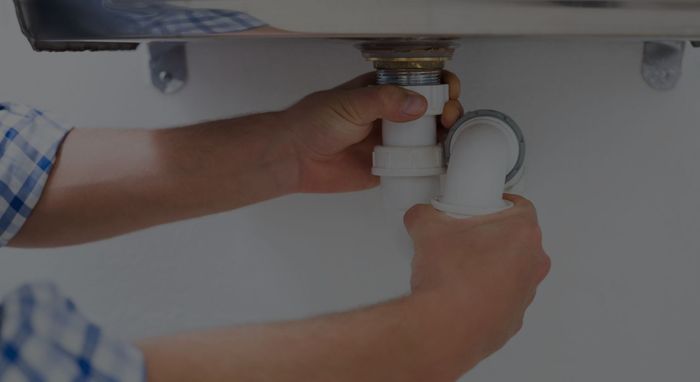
column 472, row 278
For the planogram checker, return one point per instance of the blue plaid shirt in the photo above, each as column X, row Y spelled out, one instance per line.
column 44, row 338
column 42, row 335
column 28, row 147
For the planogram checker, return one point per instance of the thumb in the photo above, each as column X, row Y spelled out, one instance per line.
column 421, row 216
column 366, row 105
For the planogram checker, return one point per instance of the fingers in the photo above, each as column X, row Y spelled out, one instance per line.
column 543, row 268
column 451, row 113
column 365, row 105
column 453, row 108
column 418, row 215
column 520, row 206
column 425, row 216
column 531, row 298
column 518, row 201
column 414, row 215
column 360, row 81
column 454, row 82
column 544, row 262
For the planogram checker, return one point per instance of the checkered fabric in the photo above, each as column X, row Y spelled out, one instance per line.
column 43, row 338
column 28, row 145
column 158, row 19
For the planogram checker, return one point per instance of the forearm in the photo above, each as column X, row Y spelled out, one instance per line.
column 402, row 340
column 108, row 182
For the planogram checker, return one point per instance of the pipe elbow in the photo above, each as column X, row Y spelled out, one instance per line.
column 484, row 150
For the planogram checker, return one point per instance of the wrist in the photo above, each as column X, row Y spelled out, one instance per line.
column 282, row 155
column 450, row 332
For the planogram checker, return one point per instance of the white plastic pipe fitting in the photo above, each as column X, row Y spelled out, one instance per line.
column 486, row 151
column 410, row 161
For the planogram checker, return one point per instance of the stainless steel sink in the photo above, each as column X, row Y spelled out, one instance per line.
column 123, row 24
column 82, row 23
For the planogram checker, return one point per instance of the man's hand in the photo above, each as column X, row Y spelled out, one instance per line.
column 322, row 144
column 472, row 281
column 478, row 275
column 334, row 131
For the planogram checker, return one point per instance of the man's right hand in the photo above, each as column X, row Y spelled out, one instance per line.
column 472, row 281
column 480, row 273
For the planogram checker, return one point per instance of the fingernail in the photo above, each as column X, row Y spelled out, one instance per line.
column 413, row 105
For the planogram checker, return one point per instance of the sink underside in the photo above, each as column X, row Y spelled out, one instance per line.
column 53, row 24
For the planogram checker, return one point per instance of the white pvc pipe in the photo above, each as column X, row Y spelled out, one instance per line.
column 401, row 193
column 481, row 157
column 410, row 161
column 421, row 132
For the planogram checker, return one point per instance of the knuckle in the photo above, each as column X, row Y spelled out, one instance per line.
column 318, row 96
column 518, row 325
column 344, row 105
column 527, row 205
column 325, row 99
column 545, row 266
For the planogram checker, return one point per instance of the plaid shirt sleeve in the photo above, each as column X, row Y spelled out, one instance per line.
column 29, row 141
column 43, row 338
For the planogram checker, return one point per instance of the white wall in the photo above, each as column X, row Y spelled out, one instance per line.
column 613, row 167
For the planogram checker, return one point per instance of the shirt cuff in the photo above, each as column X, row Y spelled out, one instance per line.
column 44, row 338
column 29, row 141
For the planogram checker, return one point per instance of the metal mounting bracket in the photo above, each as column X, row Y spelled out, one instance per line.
column 662, row 65
column 168, row 65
